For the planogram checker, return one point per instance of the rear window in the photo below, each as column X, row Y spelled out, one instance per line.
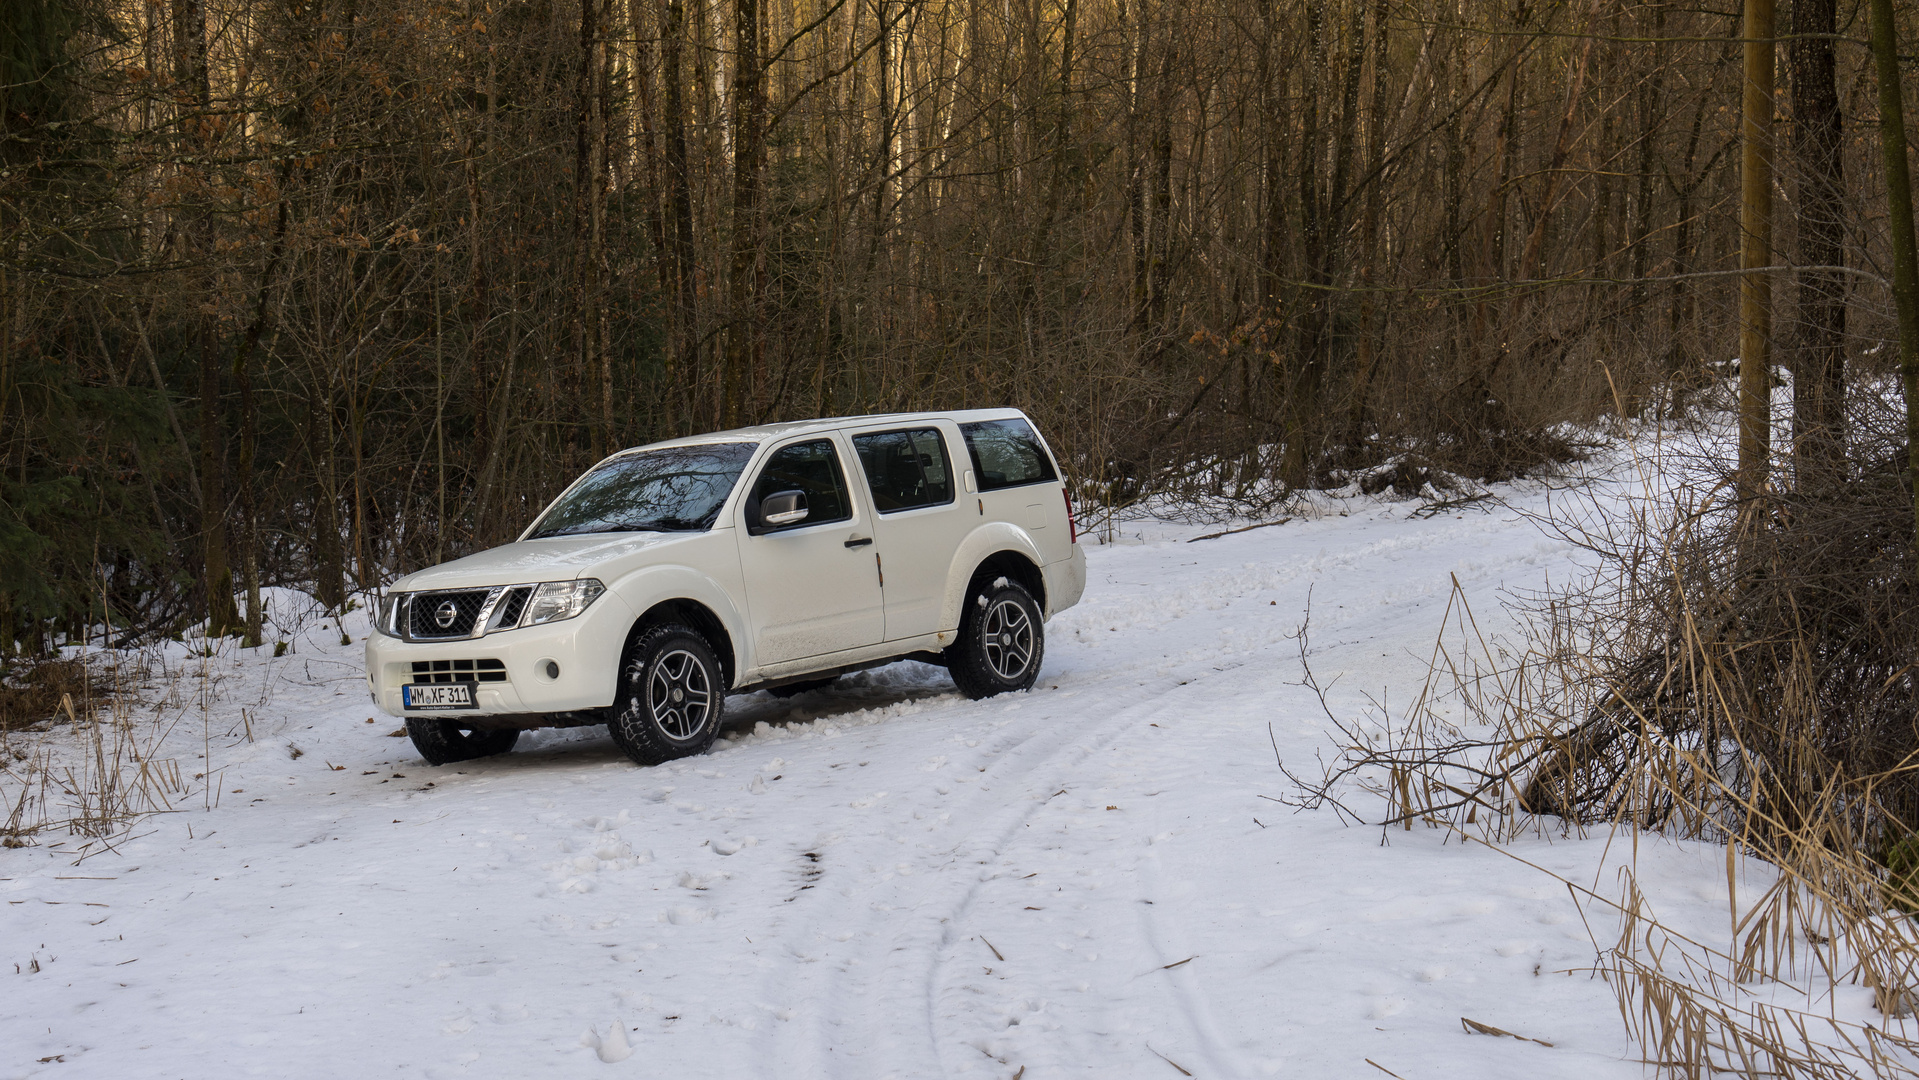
column 1006, row 453
column 905, row 469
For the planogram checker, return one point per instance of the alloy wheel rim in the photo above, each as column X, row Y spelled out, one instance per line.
column 678, row 695
column 1008, row 635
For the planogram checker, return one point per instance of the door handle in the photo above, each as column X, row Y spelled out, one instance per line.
column 859, row 541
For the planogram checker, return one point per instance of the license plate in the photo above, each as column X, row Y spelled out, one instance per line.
column 419, row 697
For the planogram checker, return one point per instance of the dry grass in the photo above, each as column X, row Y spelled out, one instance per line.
column 91, row 769
column 48, row 691
column 1736, row 678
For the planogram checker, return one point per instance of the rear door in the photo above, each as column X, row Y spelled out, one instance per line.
column 910, row 476
column 812, row 587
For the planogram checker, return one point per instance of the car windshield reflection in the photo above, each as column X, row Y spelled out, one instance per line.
column 672, row 489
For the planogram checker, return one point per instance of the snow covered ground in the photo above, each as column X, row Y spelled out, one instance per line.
column 878, row 879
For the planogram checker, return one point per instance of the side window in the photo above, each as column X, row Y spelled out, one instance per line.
column 1006, row 453
column 812, row 468
column 905, row 469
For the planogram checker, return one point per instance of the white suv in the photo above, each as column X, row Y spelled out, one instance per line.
column 658, row 583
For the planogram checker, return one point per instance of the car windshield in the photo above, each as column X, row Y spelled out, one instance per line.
column 673, row 489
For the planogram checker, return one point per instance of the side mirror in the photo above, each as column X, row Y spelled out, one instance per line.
column 783, row 508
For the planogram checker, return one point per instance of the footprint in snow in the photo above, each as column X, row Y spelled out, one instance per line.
column 612, row 1046
column 701, row 882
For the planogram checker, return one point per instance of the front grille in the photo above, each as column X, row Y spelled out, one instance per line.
column 423, row 618
column 452, row 671
column 512, row 606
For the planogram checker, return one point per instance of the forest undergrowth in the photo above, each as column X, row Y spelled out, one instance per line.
column 95, row 739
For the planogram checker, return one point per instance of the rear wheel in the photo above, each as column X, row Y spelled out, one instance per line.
column 1001, row 640
column 443, row 742
column 671, row 696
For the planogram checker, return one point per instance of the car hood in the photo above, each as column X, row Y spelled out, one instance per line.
column 557, row 558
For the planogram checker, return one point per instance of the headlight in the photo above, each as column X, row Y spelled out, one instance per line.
column 558, row 600
column 387, row 612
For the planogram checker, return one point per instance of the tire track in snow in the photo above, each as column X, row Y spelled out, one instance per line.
column 877, row 946
column 1169, row 947
column 902, row 970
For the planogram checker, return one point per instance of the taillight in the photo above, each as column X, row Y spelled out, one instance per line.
column 1072, row 527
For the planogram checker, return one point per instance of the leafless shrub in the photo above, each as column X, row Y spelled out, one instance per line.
column 1734, row 674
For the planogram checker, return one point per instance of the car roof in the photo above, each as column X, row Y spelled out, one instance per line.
column 770, row 432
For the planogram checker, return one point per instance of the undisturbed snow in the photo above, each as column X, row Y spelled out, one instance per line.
column 879, row 879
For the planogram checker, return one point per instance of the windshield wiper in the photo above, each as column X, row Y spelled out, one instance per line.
column 656, row 525
column 667, row 524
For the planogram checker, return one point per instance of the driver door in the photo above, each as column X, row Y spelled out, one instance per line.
column 812, row 587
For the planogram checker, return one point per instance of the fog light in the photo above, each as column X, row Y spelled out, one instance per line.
column 552, row 669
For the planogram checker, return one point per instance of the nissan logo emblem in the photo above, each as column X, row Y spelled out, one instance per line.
column 445, row 614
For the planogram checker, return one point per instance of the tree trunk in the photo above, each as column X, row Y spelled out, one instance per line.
column 1905, row 259
column 1818, row 355
column 1755, row 252
column 1302, row 389
column 589, row 210
column 329, row 569
column 744, row 349
column 190, row 70
column 1650, row 99
column 1369, row 227
column 682, row 366
column 249, row 424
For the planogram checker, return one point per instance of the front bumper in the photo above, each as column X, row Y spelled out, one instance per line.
column 585, row 648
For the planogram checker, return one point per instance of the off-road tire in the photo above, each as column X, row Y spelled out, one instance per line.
column 443, row 742
column 795, row 689
column 649, row 720
column 1001, row 640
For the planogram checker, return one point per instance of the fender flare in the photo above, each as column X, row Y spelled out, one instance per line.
column 646, row 588
column 981, row 544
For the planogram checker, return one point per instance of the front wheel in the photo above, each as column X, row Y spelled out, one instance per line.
column 443, row 742
column 1001, row 641
column 671, row 696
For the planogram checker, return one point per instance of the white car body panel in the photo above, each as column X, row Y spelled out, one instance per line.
column 808, row 594
column 984, row 540
column 791, row 602
column 916, row 545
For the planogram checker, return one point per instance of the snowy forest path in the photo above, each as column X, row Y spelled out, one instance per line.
column 877, row 879
column 905, row 976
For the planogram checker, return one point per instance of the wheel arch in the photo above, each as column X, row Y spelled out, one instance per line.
column 1002, row 548
column 1014, row 566
column 693, row 613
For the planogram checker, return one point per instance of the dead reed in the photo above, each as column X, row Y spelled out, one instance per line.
column 1736, row 674
column 95, row 769
column 35, row 691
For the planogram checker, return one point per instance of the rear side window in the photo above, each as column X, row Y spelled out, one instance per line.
column 905, row 469
column 813, row 469
column 1006, row 453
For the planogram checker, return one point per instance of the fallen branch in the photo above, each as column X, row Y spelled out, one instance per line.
column 1241, row 529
